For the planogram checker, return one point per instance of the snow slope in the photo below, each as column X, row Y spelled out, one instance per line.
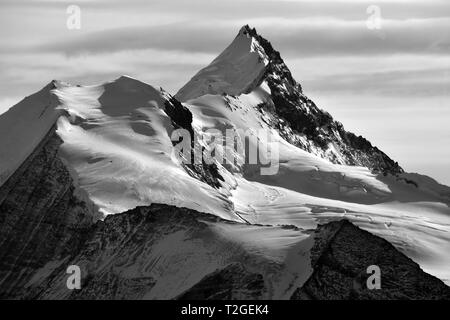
column 116, row 142
column 232, row 72
column 23, row 126
column 122, row 152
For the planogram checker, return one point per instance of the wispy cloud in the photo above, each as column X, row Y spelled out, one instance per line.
column 318, row 36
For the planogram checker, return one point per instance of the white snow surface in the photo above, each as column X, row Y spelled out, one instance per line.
column 232, row 72
column 22, row 128
column 117, row 141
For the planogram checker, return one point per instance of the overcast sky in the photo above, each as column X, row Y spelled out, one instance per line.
column 391, row 85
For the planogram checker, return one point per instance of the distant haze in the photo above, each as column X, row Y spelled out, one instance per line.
column 391, row 85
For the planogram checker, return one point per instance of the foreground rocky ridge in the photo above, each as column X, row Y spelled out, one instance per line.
column 340, row 257
column 155, row 252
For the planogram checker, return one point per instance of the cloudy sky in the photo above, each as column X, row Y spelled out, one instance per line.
column 390, row 84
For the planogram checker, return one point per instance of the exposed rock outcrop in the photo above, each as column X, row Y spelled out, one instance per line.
column 340, row 258
column 42, row 216
column 234, row 282
column 182, row 119
column 160, row 247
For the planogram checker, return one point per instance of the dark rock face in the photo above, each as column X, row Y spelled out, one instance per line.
column 341, row 256
column 234, row 282
column 40, row 216
column 120, row 255
column 128, row 238
column 297, row 114
column 180, row 115
column 182, row 118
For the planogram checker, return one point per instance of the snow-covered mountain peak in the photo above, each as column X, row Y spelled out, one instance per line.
column 235, row 71
column 126, row 77
column 249, row 60
column 250, row 68
column 129, row 82
column 244, row 30
column 115, row 139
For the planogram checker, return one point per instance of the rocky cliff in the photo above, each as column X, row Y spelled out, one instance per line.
column 341, row 256
column 43, row 216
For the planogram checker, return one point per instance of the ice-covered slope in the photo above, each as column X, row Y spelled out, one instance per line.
column 234, row 71
column 120, row 148
column 23, row 127
column 411, row 212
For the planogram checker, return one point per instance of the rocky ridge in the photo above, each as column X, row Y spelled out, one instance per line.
column 295, row 115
